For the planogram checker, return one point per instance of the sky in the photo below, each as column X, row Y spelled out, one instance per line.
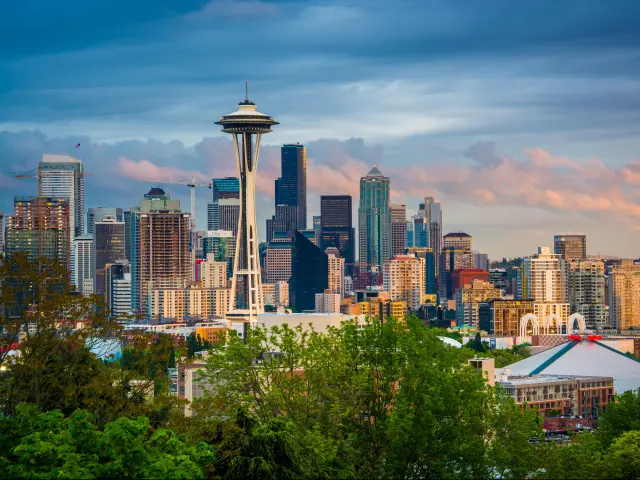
column 521, row 118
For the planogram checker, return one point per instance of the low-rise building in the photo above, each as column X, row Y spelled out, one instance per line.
column 557, row 395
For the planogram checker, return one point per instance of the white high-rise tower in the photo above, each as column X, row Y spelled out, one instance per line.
column 247, row 126
column 62, row 176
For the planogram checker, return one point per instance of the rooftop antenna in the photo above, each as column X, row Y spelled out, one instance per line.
column 246, row 91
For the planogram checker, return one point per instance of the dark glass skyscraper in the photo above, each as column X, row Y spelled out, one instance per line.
column 291, row 187
column 108, row 247
column 336, row 226
column 223, row 188
column 309, row 273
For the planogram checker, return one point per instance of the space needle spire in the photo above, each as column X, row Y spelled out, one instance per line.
column 246, row 125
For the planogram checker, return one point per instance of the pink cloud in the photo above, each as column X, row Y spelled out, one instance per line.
column 145, row 170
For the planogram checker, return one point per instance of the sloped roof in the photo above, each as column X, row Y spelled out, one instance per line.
column 584, row 358
column 374, row 172
column 457, row 234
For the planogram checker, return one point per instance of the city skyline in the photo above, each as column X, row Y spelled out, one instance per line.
column 518, row 144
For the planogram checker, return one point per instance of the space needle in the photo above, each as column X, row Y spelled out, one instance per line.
column 247, row 126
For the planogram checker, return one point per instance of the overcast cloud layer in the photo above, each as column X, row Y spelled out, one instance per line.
column 522, row 118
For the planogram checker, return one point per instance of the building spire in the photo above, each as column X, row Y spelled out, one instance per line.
column 246, row 91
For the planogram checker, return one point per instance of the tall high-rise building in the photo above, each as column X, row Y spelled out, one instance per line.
column 108, row 247
column 543, row 277
column 222, row 188
column 222, row 244
column 228, row 213
column 457, row 239
column 1, row 232
column 161, row 236
column 62, row 176
column 335, row 271
column 586, row 291
column 317, row 223
column 498, row 277
column 417, row 232
column 469, row 298
column 398, row 228
column 40, row 227
column 284, row 221
column 430, row 287
column 96, row 214
column 213, row 274
column 247, row 125
column 433, row 218
column 452, row 259
column 277, row 262
column 374, row 220
column 291, row 187
column 403, row 279
column 82, row 263
column 309, row 273
column 571, row 247
column 624, row 295
column 336, row 227
column 118, row 293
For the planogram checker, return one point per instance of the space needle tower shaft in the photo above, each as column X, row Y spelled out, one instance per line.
column 246, row 125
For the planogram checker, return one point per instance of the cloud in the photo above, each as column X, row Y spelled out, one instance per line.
column 145, row 170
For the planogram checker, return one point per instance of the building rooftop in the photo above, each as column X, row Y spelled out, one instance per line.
column 156, row 191
column 541, row 379
column 582, row 358
column 374, row 172
column 457, row 234
column 50, row 158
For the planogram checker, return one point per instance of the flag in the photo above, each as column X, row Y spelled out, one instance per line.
column 77, row 145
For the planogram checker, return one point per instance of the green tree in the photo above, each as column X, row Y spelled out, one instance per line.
column 624, row 456
column 379, row 400
column 621, row 416
column 48, row 445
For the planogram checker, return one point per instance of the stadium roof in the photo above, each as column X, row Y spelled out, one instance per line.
column 585, row 358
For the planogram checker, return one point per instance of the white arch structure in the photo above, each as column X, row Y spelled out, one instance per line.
column 524, row 323
column 553, row 323
column 576, row 317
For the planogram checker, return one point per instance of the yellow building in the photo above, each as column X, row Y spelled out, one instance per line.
column 193, row 301
column 505, row 316
column 468, row 299
column 624, row 295
column 404, row 279
column 382, row 309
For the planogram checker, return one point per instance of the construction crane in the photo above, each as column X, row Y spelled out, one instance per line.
column 191, row 183
column 35, row 173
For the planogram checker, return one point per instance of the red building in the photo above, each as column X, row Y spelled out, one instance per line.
column 465, row 276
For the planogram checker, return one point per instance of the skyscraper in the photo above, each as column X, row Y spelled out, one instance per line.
column 404, row 279
column 451, row 259
column 228, row 212
column 309, row 273
column 62, row 176
column 108, row 247
column 98, row 213
column 571, row 247
column 118, row 293
column 284, row 221
column 336, row 227
column 624, row 295
column 222, row 188
column 1, row 232
column 374, row 220
column 82, row 263
column 161, row 239
column 335, row 271
column 247, row 125
column 417, row 231
column 544, row 277
column 398, row 229
column 433, row 219
column 291, row 187
column 317, row 223
column 458, row 239
column 222, row 244
column 586, row 291
column 40, row 227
